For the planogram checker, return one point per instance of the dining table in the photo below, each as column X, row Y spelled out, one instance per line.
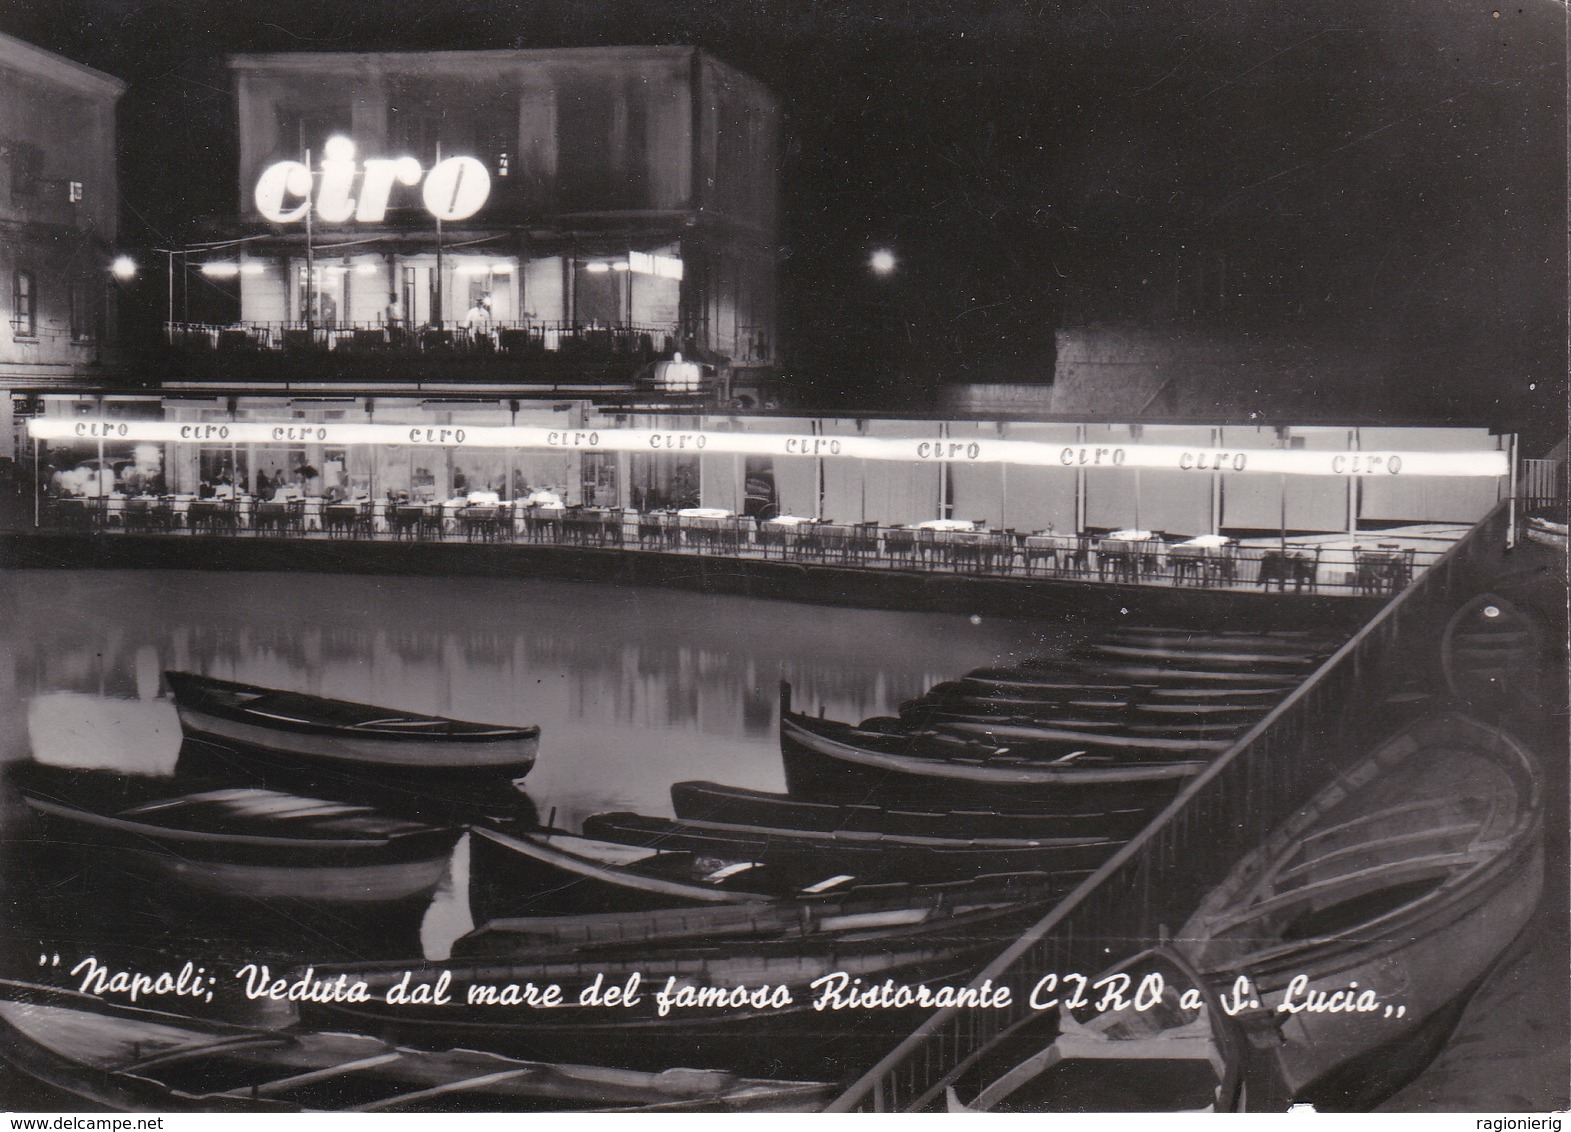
column 351, row 517
column 1297, row 564
column 217, row 514
column 1385, row 569
column 1046, row 550
column 540, row 521
column 1202, row 558
column 1128, row 554
column 413, row 519
column 592, row 526
column 281, row 515
column 711, row 527
column 784, row 532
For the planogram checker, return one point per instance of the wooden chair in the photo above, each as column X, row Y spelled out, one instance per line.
column 270, row 516
column 1188, row 564
column 404, row 519
column 161, row 515
column 341, row 519
column 864, row 539
column 479, row 522
column 1117, row 559
column 900, row 543
column 138, row 514
column 772, row 536
column 834, row 542
column 1299, row 565
column 1040, row 552
column 807, row 543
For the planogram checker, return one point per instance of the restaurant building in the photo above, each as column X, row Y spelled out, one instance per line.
column 517, row 276
column 528, row 220
column 58, row 225
column 1067, row 476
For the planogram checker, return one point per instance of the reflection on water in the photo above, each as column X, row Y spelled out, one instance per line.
column 633, row 688
column 103, row 733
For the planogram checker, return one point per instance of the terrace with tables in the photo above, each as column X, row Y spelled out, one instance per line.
column 1370, row 563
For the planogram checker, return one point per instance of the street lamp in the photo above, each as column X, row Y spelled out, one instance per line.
column 123, row 268
column 882, row 261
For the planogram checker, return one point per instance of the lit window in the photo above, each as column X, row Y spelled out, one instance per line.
column 84, row 313
column 74, row 191
column 24, row 304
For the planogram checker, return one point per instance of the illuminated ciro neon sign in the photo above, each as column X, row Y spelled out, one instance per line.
column 454, row 189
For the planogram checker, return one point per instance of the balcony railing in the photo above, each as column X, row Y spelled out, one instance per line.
column 1360, row 570
column 624, row 342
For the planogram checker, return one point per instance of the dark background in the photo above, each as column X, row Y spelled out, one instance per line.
column 1389, row 173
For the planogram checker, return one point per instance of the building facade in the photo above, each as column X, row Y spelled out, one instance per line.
column 58, row 223
column 514, row 217
column 1234, row 479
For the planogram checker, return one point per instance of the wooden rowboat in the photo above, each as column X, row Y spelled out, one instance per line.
column 314, row 731
column 760, row 1014
column 827, row 761
column 1289, row 637
column 239, row 841
column 1225, row 642
column 1204, row 659
column 1086, row 740
column 1130, row 727
column 871, row 857
column 546, row 873
column 1055, row 673
column 829, row 918
column 1490, row 653
column 1406, row 878
column 1173, row 1054
column 72, row 1051
column 1034, row 688
column 709, row 801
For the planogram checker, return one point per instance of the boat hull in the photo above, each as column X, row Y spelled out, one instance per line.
column 1490, row 652
column 147, row 1061
column 786, row 1034
column 527, row 874
column 1407, row 877
column 822, row 763
column 336, row 732
column 1431, row 978
column 207, row 839
column 515, row 756
column 708, row 801
column 869, row 857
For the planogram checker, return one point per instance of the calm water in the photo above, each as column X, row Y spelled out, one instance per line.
column 633, row 689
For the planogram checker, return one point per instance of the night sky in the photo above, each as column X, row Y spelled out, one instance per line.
column 1386, row 172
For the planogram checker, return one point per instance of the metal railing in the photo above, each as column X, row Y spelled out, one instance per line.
column 1151, row 885
column 1376, row 569
column 1541, row 487
column 526, row 337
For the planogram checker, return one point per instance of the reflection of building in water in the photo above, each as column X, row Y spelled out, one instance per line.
column 493, row 650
